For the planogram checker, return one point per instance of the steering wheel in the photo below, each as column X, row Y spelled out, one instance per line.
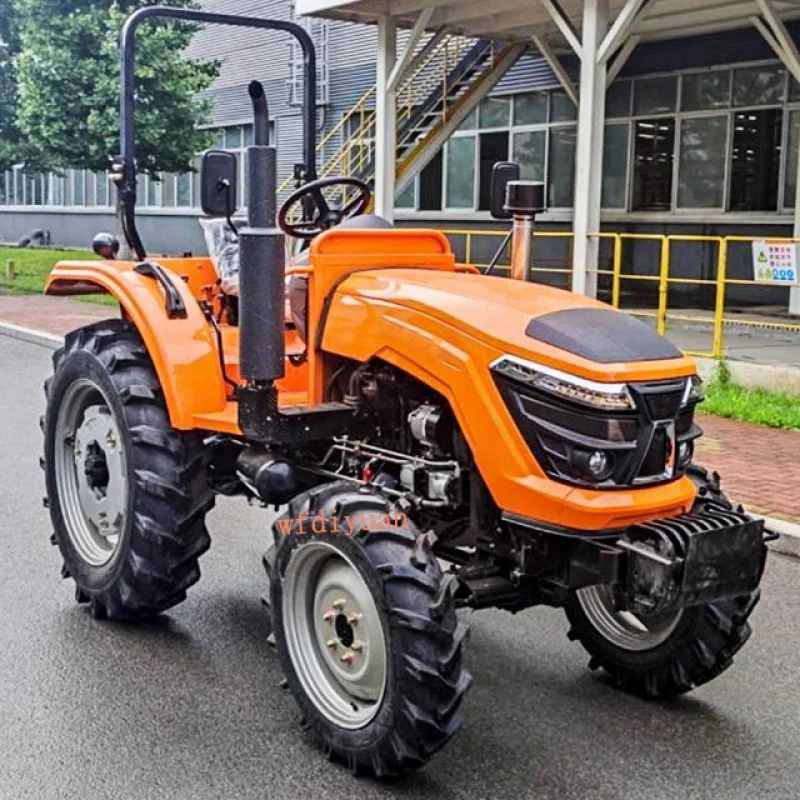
column 324, row 215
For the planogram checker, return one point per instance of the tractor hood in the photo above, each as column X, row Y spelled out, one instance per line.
column 550, row 326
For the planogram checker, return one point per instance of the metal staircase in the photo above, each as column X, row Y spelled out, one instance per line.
column 448, row 77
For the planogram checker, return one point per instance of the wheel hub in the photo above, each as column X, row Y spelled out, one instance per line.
column 91, row 473
column 334, row 635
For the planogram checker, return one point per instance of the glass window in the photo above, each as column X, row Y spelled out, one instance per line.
column 461, row 172
column 406, row 198
column 100, row 189
column 562, row 109
column 56, row 194
column 618, row 99
column 655, row 95
column 529, row 153
column 793, row 148
column 530, row 108
column 153, row 193
column 562, row 167
column 233, row 138
column 495, row 112
column 217, row 138
column 33, row 194
column 794, row 90
column 706, row 90
column 759, row 86
column 701, row 170
column 755, row 160
column 615, row 166
column 78, row 188
column 430, row 183
column 19, row 187
column 248, row 134
column 471, row 122
column 183, row 189
column 654, row 148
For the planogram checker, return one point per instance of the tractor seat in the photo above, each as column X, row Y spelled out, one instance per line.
column 298, row 284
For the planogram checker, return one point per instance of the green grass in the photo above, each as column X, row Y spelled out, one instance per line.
column 723, row 398
column 32, row 265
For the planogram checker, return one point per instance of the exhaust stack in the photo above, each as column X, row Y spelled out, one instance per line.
column 261, row 259
column 524, row 200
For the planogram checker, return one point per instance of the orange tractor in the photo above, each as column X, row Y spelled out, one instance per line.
column 411, row 412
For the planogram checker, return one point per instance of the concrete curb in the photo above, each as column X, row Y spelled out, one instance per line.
column 788, row 544
column 31, row 335
column 769, row 377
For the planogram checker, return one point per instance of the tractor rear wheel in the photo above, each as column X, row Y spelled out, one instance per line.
column 665, row 655
column 127, row 493
column 366, row 629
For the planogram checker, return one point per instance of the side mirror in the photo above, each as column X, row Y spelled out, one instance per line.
column 218, row 183
column 502, row 173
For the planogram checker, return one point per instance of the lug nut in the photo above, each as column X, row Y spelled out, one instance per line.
column 338, row 604
column 329, row 616
column 331, row 643
column 357, row 645
column 354, row 618
column 347, row 658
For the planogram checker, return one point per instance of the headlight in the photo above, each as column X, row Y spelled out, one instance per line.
column 604, row 396
column 693, row 392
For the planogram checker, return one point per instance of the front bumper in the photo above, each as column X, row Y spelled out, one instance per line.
column 654, row 567
column 691, row 560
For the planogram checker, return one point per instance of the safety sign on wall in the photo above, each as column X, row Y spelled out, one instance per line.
column 775, row 262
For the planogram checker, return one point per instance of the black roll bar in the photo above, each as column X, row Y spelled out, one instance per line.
column 127, row 131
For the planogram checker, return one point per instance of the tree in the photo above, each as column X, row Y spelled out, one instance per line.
column 68, row 82
column 9, row 134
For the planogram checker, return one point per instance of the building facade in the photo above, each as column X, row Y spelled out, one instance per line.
column 702, row 137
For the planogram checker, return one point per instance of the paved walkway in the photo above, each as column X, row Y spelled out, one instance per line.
column 760, row 467
column 57, row 315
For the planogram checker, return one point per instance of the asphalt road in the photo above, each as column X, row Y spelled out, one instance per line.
column 190, row 706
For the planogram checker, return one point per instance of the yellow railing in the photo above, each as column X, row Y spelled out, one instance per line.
column 620, row 271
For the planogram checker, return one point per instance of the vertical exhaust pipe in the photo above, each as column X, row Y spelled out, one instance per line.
column 524, row 200
column 261, row 259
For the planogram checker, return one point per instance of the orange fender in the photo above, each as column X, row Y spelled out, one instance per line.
column 183, row 351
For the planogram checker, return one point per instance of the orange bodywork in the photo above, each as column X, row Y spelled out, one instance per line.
column 399, row 296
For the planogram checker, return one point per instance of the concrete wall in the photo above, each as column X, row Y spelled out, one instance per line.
column 164, row 234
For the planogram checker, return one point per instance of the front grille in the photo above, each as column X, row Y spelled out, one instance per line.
column 640, row 444
column 656, row 456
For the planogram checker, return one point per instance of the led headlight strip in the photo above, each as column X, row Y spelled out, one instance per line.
column 604, row 396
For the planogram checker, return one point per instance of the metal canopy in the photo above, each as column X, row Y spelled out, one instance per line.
column 511, row 20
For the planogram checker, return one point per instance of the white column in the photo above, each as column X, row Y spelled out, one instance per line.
column 386, row 121
column 589, row 154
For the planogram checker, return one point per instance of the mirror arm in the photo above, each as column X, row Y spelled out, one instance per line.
column 499, row 253
column 229, row 202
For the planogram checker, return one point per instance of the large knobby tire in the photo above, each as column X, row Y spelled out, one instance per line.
column 128, row 494
column 680, row 652
column 397, row 700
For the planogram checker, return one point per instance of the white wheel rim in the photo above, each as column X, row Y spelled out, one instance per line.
column 334, row 635
column 623, row 628
column 90, row 472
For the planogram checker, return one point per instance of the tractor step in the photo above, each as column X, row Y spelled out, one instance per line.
column 262, row 420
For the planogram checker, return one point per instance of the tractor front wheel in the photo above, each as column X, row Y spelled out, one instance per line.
column 128, row 494
column 660, row 656
column 366, row 629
